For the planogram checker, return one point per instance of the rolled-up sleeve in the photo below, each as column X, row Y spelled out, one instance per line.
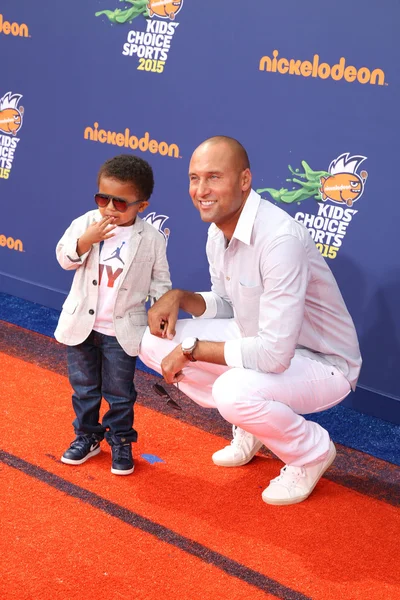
column 66, row 253
column 216, row 307
column 285, row 278
column 233, row 353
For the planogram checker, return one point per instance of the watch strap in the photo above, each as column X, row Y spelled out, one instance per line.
column 189, row 353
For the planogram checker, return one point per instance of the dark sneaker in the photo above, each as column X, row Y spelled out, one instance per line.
column 122, row 460
column 83, row 447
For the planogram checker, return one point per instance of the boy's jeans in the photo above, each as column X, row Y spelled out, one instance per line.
column 98, row 368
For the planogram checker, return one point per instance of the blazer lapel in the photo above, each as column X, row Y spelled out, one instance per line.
column 133, row 245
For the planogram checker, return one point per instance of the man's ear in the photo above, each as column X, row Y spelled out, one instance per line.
column 246, row 180
column 143, row 206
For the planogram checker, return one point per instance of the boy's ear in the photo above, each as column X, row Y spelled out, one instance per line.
column 143, row 206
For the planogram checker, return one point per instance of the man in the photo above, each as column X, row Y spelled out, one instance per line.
column 272, row 339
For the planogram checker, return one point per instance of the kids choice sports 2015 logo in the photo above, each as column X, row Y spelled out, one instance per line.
column 11, row 119
column 341, row 184
column 150, row 42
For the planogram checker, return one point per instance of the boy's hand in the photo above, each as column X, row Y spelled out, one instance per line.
column 96, row 232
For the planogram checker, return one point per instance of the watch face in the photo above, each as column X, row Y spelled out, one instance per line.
column 188, row 343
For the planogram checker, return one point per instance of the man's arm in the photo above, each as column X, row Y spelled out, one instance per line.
column 285, row 280
column 285, row 273
column 192, row 303
column 175, row 361
column 281, row 314
column 162, row 316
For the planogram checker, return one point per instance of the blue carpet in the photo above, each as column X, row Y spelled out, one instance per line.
column 38, row 318
column 346, row 426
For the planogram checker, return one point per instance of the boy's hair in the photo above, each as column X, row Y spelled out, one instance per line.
column 130, row 169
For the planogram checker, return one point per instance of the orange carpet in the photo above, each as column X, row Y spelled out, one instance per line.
column 181, row 528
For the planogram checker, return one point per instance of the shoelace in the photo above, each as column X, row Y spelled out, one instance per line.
column 81, row 442
column 238, row 435
column 122, row 452
column 293, row 473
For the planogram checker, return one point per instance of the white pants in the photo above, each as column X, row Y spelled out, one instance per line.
column 268, row 405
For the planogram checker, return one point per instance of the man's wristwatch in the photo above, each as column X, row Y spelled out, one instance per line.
column 188, row 346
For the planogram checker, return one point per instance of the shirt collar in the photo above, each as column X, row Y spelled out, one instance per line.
column 247, row 217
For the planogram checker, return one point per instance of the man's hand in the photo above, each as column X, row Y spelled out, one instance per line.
column 172, row 365
column 162, row 316
column 96, row 232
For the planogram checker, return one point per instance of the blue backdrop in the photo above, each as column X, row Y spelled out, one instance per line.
column 311, row 90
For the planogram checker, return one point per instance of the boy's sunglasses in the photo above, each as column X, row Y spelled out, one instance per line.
column 121, row 205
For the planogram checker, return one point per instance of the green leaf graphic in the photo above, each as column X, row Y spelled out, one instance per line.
column 139, row 7
column 308, row 188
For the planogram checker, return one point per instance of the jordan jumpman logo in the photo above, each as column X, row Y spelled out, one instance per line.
column 116, row 254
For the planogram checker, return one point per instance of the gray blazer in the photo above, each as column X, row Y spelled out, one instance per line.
column 146, row 275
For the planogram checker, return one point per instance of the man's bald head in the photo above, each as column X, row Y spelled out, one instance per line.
column 220, row 181
column 233, row 147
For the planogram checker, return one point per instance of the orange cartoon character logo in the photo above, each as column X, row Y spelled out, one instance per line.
column 344, row 184
column 10, row 114
column 164, row 8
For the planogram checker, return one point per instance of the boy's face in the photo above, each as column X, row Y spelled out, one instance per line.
column 125, row 191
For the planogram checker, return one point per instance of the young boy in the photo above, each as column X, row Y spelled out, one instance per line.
column 119, row 261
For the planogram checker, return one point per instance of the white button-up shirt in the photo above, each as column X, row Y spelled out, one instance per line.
column 274, row 282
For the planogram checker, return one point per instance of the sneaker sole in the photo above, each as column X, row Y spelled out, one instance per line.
column 222, row 463
column 70, row 461
column 122, row 471
column 287, row 501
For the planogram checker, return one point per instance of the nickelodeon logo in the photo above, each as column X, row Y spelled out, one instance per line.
column 13, row 28
column 307, row 68
column 11, row 244
column 126, row 140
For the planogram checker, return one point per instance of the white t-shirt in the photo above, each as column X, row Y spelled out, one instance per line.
column 113, row 253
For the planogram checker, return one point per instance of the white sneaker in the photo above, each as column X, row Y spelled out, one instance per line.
column 240, row 451
column 295, row 484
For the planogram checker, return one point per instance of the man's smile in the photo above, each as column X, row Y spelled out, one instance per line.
column 207, row 202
